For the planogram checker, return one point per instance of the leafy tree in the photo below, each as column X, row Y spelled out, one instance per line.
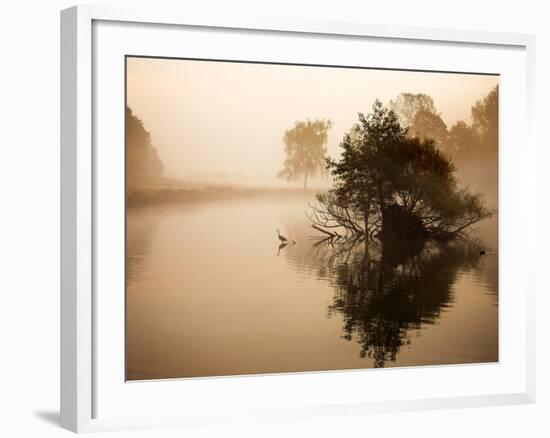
column 305, row 148
column 363, row 175
column 395, row 186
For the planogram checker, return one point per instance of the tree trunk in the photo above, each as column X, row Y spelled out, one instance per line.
column 382, row 203
column 305, row 180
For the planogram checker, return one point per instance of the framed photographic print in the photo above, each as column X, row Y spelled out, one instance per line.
column 285, row 218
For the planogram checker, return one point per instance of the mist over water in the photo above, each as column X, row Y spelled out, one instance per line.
column 211, row 293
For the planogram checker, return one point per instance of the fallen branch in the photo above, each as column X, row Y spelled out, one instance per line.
column 328, row 233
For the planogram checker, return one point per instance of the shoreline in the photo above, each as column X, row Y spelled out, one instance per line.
column 137, row 197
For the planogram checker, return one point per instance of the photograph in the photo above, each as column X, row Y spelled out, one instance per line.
column 285, row 218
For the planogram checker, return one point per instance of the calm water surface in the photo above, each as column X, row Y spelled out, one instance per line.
column 210, row 292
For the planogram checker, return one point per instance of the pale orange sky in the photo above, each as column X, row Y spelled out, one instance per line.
column 224, row 122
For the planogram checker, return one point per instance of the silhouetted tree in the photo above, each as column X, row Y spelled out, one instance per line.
column 143, row 164
column 387, row 184
column 362, row 175
column 305, row 148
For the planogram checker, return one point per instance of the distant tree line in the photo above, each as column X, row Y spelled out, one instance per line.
column 462, row 141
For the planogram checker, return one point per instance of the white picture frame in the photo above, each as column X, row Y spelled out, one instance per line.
column 82, row 372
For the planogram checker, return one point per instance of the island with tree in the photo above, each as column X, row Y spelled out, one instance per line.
column 391, row 182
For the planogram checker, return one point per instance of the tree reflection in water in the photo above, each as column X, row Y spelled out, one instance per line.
column 385, row 291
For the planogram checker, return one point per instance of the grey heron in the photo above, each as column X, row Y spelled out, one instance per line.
column 281, row 237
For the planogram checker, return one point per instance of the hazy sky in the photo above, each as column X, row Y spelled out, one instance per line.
column 224, row 122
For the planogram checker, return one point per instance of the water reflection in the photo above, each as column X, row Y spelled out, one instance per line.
column 385, row 292
column 203, row 302
column 139, row 238
column 281, row 246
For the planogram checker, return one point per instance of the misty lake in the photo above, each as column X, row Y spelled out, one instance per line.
column 210, row 292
